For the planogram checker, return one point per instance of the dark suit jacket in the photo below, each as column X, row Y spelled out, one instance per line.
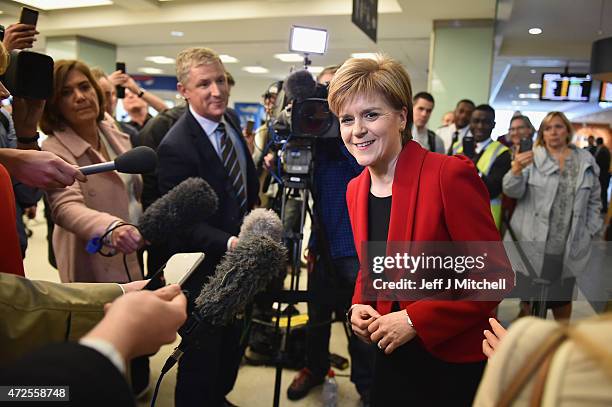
column 91, row 376
column 187, row 152
column 435, row 198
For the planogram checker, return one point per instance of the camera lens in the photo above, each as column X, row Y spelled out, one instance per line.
column 311, row 118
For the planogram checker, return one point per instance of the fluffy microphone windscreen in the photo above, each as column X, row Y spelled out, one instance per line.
column 188, row 203
column 262, row 222
column 300, row 85
column 139, row 160
column 242, row 274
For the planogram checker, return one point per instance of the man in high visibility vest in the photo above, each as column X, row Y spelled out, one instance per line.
column 492, row 158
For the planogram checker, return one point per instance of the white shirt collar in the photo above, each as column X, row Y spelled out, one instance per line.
column 482, row 145
column 208, row 125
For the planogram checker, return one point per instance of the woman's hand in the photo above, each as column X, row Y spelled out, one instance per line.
column 127, row 239
column 521, row 160
column 493, row 339
column 361, row 318
column 391, row 331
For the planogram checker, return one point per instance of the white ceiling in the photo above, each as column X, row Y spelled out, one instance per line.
column 252, row 31
column 569, row 27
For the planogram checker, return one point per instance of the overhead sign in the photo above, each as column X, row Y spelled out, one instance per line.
column 365, row 16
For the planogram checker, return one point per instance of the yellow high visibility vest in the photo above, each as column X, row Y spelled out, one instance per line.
column 484, row 164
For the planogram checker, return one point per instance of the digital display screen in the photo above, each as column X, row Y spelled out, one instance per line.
column 605, row 94
column 560, row 87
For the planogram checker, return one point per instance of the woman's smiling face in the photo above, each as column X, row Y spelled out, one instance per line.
column 371, row 130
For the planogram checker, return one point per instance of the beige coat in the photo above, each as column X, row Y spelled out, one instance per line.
column 85, row 210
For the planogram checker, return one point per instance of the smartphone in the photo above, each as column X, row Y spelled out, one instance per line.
column 526, row 144
column 249, row 126
column 120, row 66
column 177, row 270
column 469, row 146
column 28, row 16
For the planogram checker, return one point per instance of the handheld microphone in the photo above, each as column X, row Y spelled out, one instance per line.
column 139, row 160
column 188, row 203
column 244, row 272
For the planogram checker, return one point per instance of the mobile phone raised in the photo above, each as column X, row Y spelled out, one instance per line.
column 120, row 66
column 526, row 144
column 28, row 16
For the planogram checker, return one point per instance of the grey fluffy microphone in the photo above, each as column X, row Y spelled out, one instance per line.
column 190, row 202
column 139, row 160
column 243, row 273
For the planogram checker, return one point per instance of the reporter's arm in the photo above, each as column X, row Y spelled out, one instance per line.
column 38, row 312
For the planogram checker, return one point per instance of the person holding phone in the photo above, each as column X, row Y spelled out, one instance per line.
column 558, row 203
column 492, row 158
column 429, row 352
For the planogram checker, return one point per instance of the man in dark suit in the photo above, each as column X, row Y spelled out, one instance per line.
column 205, row 142
column 602, row 157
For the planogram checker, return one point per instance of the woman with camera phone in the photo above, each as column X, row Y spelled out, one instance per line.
column 558, row 203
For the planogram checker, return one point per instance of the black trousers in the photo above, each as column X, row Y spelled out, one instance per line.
column 208, row 369
column 411, row 376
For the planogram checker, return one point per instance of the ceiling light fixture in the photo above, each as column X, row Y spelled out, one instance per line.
column 150, row 71
column 528, row 96
column 535, row 31
column 228, row 59
column 177, row 33
column 533, row 71
column 535, row 85
column 367, row 55
column 63, row 4
column 255, row 69
column 289, row 57
column 160, row 59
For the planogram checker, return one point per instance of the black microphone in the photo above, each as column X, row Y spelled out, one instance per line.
column 244, row 272
column 300, row 85
column 139, row 160
column 188, row 203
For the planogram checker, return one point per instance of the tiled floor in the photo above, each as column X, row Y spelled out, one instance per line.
column 255, row 385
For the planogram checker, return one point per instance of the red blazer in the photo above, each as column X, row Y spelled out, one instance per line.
column 435, row 198
column 10, row 251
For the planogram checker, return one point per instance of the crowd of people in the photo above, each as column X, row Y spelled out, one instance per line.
column 389, row 177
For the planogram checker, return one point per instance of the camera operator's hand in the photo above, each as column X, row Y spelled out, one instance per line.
column 40, row 169
column 26, row 114
column 19, row 36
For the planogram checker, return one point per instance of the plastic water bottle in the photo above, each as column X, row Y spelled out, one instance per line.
column 330, row 390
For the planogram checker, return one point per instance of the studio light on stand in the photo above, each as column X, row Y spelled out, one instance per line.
column 306, row 41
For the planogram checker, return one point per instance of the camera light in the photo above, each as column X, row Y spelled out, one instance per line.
column 308, row 40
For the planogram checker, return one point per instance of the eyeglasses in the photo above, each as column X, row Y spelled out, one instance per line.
column 513, row 129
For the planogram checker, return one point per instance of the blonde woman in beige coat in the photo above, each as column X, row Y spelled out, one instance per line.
column 80, row 133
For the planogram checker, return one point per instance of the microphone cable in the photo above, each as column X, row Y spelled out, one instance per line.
column 96, row 244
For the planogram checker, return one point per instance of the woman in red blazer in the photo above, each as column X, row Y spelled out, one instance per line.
column 430, row 351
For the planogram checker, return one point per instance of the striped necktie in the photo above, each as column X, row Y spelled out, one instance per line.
column 231, row 164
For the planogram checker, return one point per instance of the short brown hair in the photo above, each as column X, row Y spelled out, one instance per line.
column 383, row 76
column 52, row 120
column 332, row 69
column 546, row 120
column 190, row 57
